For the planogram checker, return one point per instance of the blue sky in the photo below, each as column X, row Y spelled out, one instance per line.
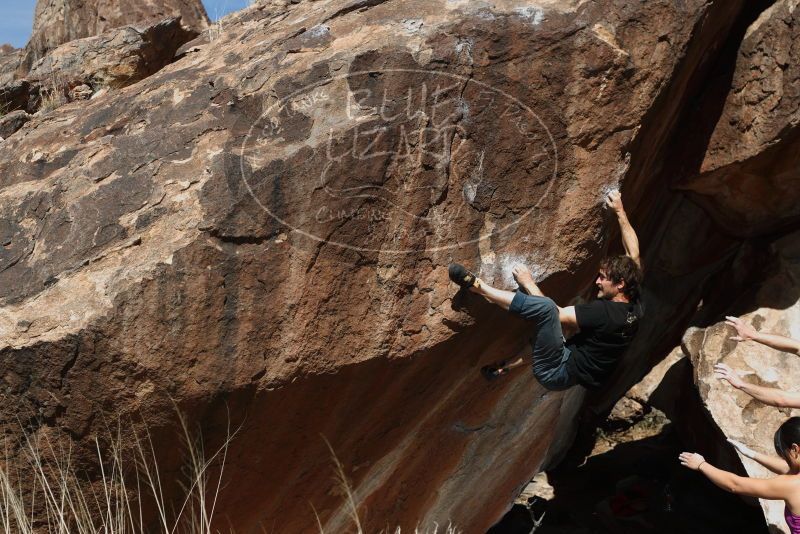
column 16, row 17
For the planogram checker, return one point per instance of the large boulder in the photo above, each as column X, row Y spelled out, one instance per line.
column 115, row 59
column 261, row 231
column 11, row 122
column 57, row 22
column 749, row 176
column 76, row 70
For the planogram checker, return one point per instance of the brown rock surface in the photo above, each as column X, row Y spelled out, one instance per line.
column 750, row 173
column 59, row 21
column 115, row 59
column 772, row 306
column 9, row 61
column 265, row 226
column 11, row 122
column 15, row 95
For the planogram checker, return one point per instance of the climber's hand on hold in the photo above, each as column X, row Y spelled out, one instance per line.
column 522, row 274
column 525, row 280
column 630, row 241
column 614, row 201
column 724, row 372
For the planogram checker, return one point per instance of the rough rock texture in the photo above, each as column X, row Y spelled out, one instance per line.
column 59, row 21
column 115, row 59
column 750, row 172
column 12, row 122
column 771, row 306
column 15, row 95
column 9, row 61
column 262, row 229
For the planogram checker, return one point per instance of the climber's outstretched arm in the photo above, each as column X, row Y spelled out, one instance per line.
column 629, row 238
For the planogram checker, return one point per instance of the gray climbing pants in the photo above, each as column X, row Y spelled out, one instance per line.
column 550, row 355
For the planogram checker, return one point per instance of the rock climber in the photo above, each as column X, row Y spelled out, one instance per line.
column 767, row 395
column 605, row 326
column 785, row 486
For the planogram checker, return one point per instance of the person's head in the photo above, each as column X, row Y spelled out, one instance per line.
column 787, row 442
column 618, row 276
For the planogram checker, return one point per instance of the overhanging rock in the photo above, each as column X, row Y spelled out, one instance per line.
column 262, row 229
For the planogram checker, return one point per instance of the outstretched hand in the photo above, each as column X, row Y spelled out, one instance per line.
column 522, row 275
column 692, row 460
column 743, row 449
column 614, row 201
column 724, row 372
column 744, row 331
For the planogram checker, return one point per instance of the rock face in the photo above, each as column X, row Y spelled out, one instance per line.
column 749, row 175
column 115, row 59
column 12, row 122
column 261, row 231
column 9, row 61
column 772, row 306
column 60, row 21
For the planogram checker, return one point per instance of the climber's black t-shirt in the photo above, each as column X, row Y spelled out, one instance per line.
column 606, row 330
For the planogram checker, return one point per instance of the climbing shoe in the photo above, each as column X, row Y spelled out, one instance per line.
column 461, row 276
column 491, row 372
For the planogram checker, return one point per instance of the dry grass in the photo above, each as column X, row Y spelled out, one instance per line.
column 52, row 92
column 47, row 493
column 215, row 30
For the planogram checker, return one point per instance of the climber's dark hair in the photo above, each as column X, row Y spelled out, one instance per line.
column 623, row 268
column 787, row 435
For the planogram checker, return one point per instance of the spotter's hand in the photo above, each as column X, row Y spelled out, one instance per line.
column 744, row 331
column 692, row 460
column 724, row 372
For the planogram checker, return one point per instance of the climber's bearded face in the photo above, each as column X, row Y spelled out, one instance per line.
column 606, row 288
